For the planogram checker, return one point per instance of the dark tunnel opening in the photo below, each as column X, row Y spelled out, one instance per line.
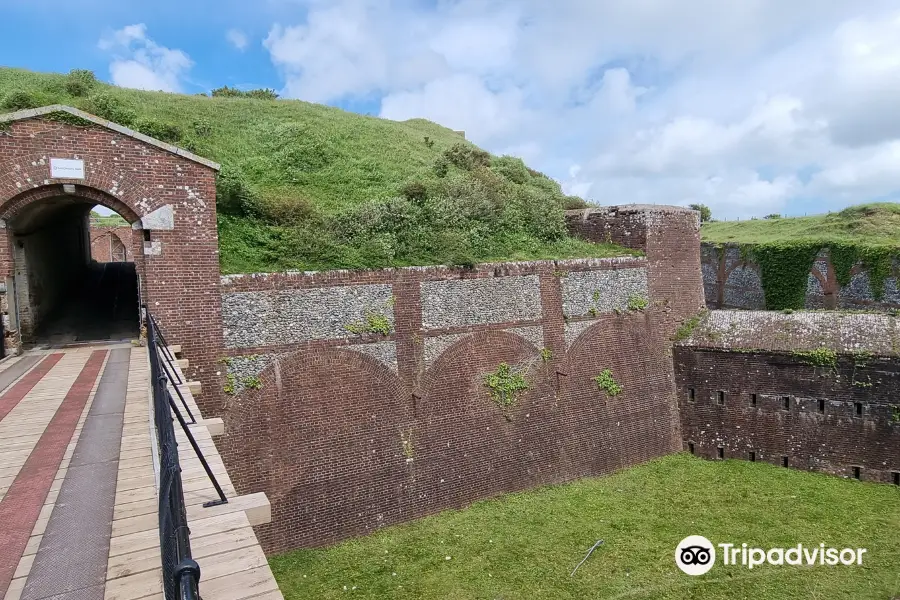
column 63, row 294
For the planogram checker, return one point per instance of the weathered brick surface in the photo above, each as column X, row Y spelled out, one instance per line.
column 180, row 284
column 343, row 443
column 819, row 431
column 111, row 244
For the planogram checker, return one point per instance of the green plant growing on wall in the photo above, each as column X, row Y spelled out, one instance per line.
column 374, row 322
column 226, row 360
column 784, row 270
column 230, row 382
column 546, row 354
column 820, row 357
column 637, row 302
column 505, row 385
column 606, row 383
column 687, row 327
column 406, row 442
column 62, row 116
column 895, row 415
column 251, row 382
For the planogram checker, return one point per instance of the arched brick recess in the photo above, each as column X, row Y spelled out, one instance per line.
column 100, row 243
column 465, row 447
column 605, row 434
column 322, row 438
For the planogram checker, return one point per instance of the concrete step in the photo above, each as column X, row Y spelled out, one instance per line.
column 193, row 387
column 215, row 426
column 182, row 363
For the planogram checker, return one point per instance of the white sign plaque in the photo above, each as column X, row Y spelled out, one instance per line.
column 66, row 168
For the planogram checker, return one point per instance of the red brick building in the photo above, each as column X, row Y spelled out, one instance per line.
column 52, row 172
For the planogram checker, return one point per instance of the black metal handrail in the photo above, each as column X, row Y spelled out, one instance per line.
column 158, row 347
column 181, row 573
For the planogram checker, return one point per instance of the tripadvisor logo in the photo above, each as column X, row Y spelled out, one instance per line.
column 696, row 555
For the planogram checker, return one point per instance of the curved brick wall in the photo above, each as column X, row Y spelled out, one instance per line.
column 349, row 432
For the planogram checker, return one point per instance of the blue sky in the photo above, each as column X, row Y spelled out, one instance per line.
column 751, row 107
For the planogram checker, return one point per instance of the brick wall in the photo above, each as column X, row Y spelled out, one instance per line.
column 731, row 280
column 350, row 432
column 111, row 244
column 835, row 419
column 172, row 196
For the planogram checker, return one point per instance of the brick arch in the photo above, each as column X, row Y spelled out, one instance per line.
column 128, row 197
column 632, row 427
column 467, row 448
column 322, row 438
column 115, row 233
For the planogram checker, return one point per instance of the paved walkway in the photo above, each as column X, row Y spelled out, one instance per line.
column 78, row 504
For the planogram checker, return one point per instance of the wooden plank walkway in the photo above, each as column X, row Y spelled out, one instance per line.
column 233, row 566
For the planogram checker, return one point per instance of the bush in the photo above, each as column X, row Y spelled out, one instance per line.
column 772, row 216
column 573, row 203
column 441, row 166
column 704, row 210
column 260, row 94
column 414, row 191
column 202, row 127
column 233, row 195
column 166, row 132
column 112, row 109
column 226, row 92
column 511, row 168
column 22, row 100
column 467, row 157
column 79, row 82
column 282, row 211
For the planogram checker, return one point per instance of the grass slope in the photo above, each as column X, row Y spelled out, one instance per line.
column 305, row 186
column 526, row 545
column 866, row 224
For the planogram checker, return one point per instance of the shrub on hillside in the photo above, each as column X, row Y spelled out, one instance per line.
column 414, row 191
column 574, row 203
column 512, row 168
column 202, row 127
column 441, row 166
column 22, row 100
column 166, row 132
column 233, row 194
column 259, row 94
column 280, row 210
column 80, row 82
column 111, row 108
column 467, row 157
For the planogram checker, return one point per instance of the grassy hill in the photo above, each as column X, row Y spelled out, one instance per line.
column 305, row 186
column 869, row 224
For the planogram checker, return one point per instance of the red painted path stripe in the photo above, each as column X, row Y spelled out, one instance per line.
column 20, row 508
column 20, row 389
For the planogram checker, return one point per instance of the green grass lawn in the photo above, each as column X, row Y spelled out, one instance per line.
column 526, row 545
column 868, row 224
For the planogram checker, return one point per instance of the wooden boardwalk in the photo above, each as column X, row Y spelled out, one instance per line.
column 232, row 563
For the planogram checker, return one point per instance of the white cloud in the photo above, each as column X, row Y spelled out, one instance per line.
column 237, row 38
column 140, row 63
column 665, row 101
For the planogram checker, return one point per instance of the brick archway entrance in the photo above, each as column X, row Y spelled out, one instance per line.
column 53, row 170
column 60, row 295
